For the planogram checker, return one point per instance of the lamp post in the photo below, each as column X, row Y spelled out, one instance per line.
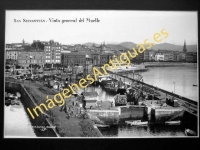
column 31, row 71
column 174, row 86
column 30, row 64
column 71, row 73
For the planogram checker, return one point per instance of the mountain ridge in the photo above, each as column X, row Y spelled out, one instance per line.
column 160, row 46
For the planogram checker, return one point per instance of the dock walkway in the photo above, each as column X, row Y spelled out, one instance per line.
column 186, row 103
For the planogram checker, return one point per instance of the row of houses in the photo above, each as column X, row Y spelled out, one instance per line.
column 167, row 55
column 54, row 53
column 43, row 52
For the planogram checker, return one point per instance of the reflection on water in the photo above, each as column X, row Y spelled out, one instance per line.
column 16, row 122
column 143, row 131
column 161, row 77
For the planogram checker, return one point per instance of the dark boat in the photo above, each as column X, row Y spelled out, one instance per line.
column 102, row 125
column 189, row 132
column 194, row 85
column 111, row 87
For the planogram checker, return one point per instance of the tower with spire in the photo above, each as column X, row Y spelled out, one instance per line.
column 184, row 47
column 23, row 42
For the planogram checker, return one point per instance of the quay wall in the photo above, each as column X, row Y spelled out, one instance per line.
column 167, row 64
column 190, row 121
column 132, row 112
column 29, row 102
column 106, row 116
column 160, row 115
column 178, row 97
column 114, row 117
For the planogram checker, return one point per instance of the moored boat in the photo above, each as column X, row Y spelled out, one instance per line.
column 102, row 125
column 189, row 132
column 130, row 121
column 138, row 123
column 103, row 80
column 111, row 87
column 173, row 122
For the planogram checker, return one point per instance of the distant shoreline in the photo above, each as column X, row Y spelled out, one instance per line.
column 167, row 64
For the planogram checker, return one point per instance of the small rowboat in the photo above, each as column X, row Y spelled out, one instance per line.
column 138, row 123
column 189, row 132
column 102, row 125
column 173, row 122
column 130, row 121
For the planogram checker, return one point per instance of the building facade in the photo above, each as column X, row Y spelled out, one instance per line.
column 33, row 56
column 105, row 58
column 72, row 59
column 12, row 54
column 52, row 52
column 159, row 57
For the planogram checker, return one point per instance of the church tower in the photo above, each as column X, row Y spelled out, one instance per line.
column 184, row 47
column 23, row 42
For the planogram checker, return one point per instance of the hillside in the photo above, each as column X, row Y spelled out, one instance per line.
column 113, row 46
column 164, row 46
column 168, row 46
column 89, row 44
column 128, row 45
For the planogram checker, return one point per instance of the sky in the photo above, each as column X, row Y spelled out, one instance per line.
column 114, row 26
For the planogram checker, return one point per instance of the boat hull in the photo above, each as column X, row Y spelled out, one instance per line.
column 172, row 122
column 189, row 132
column 139, row 123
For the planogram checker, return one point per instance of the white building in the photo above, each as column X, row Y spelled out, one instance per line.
column 159, row 57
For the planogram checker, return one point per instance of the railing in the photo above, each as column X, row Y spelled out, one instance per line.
column 188, row 103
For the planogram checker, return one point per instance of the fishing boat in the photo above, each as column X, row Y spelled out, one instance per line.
column 125, row 68
column 104, row 79
column 189, row 132
column 173, row 122
column 138, row 123
column 130, row 121
column 111, row 87
column 102, row 125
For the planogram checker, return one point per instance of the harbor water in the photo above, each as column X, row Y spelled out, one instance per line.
column 174, row 79
column 17, row 123
column 161, row 77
